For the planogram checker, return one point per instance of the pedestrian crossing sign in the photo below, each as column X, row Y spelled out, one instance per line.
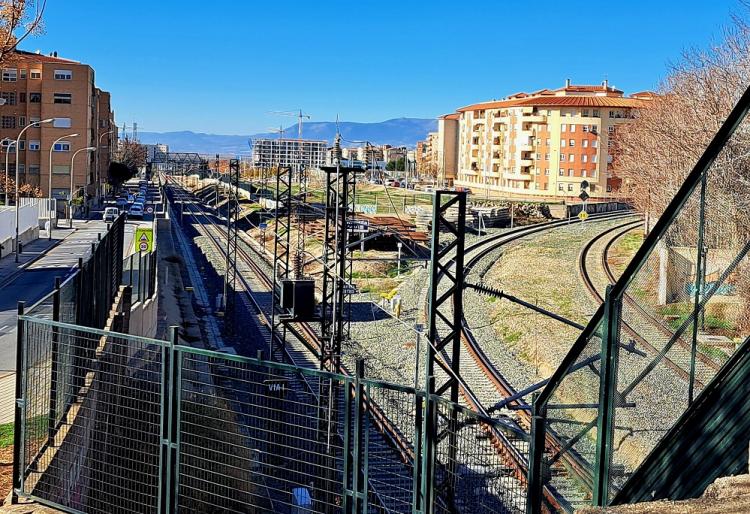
column 583, row 215
column 144, row 239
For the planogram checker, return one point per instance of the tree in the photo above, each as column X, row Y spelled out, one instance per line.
column 399, row 165
column 657, row 151
column 18, row 20
column 25, row 190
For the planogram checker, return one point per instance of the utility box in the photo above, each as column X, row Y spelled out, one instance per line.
column 286, row 294
column 303, row 308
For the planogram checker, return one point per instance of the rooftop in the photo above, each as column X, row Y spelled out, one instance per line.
column 574, row 95
column 23, row 55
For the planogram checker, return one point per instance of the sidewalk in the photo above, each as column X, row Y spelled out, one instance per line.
column 10, row 268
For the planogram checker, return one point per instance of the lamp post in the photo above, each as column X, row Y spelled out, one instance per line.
column 18, row 158
column 10, row 142
column 98, row 178
column 70, row 200
column 49, row 190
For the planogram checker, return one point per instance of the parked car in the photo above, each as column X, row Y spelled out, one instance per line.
column 122, row 203
column 131, row 198
column 136, row 211
column 110, row 214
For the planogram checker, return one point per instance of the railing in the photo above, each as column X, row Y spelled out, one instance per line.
column 677, row 313
column 139, row 272
column 117, row 423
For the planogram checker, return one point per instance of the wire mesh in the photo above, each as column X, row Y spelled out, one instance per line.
column 91, row 437
column 254, row 436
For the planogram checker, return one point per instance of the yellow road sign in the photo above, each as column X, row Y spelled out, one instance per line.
column 583, row 215
column 144, row 239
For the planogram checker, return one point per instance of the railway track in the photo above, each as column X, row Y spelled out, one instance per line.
column 647, row 323
column 389, row 453
column 481, row 374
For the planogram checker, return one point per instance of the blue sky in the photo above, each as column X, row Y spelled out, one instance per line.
column 177, row 65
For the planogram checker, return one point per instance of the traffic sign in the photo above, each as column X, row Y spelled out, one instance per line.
column 150, row 210
column 585, row 184
column 144, row 239
column 350, row 289
column 262, row 226
column 583, row 196
column 358, row 225
column 583, row 215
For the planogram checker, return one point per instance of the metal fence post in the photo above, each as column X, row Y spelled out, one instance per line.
column 359, row 486
column 607, row 393
column 20, row 406
column 54, row 364
column 699, row 274
column 536, row 457
column 170, row 408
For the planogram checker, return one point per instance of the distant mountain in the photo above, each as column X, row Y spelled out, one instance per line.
column 396, row 132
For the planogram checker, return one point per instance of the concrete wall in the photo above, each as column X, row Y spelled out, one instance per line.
column 28, row 226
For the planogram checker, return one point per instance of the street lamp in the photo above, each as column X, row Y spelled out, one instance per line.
column 70, row 200
column 18, row 158
column 9, row 142
column 98, row 178
column 49, row 190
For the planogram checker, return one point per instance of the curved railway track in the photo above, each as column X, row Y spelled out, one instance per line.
column 479, row 369
column 651, row 322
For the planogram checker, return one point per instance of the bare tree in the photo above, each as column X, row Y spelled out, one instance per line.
column 658, row 150
column 19, row 19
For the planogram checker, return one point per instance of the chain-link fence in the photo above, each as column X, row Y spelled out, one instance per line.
column 118, row 423
column 678, row 313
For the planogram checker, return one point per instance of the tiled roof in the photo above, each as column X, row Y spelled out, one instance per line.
column 581, row 101
column 453, row 116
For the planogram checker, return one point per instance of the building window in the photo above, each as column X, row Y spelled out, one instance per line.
column 571, row 172
column 585, row 143
column 8, row 122
column 561, row 172
column 33, row 169
column 585, row 114
column 34, row 145
column 61, row 123
column 560, row 187
column 563, row 127
column 570, row 187
column 9, row 97
column 571, row 158
column 563, row 142
column 22, row 144
column 546, row 172
column 35, row 98
column 22, row 98
column 63, row 75
column 572, row 142
column 610, row 129
column 61, row 169
column 21, row 121
column 562, row 157
column 572, row 128
column 10, row 74
column 36, row 74
column 592, row 187
column 593, row 158
column 62, row 146
column 546, row 157
column 611, row 114
column 546, row 142
column 583, row 173
column 21, row 168
column 34, row 119
column 62, row 98
column 594, row 144
column 584, row 158
column 595, row 113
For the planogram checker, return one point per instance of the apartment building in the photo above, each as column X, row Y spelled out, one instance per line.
column 271, row 152
column 37, row 87
column 543, row 144
column 427, row 155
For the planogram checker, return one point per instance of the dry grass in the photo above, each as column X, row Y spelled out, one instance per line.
column 6, row 471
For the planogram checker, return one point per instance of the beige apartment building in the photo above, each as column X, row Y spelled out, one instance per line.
column 540, row 145
column 37, row 87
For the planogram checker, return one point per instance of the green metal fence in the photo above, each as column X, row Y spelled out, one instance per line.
column 117, row 423
column 676, row 315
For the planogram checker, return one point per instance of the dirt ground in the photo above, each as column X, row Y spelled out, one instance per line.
column 6, row 471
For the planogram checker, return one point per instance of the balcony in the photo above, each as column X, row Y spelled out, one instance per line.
column 517, row 176
column 535, row 118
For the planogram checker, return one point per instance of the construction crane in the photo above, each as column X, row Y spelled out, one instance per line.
column 294, row 114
